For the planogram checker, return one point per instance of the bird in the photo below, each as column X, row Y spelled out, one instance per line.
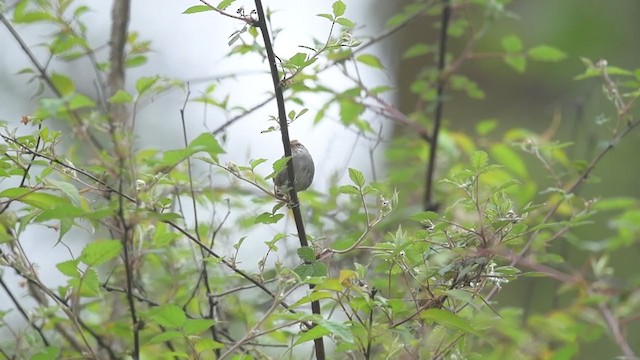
column 303, row 168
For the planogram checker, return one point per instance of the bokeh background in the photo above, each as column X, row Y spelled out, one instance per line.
column 193, row 48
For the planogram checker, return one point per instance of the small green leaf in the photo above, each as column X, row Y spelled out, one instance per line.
column 136, row 60
column 511, row 43
column 49, row 353
column 546, row 53
column 80, row 101
column 312, row 334
column 206, row 142
column 326, row 16
column 121, row 97
column 479, row 160
column 417, row 50
column 346, row 23
column 298, row 59
column 268, row 218
column 225, row 4
column 370, row 60
column 518, row 62
column 338, row 329
column 255, row 162
column 349, row 189
column 100, row 251
column 448, row 320
column 196, row 326
column 484, row 127
column 69, row 268
column 505, row 155
column 306, row 254
column 196, row 9
column 168, row 315
column 339, row 8
column 62, row 83
column 145, row 83
column 357, row 177
column 425, row 216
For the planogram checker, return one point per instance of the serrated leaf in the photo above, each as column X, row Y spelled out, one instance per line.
column 356, row 176
column 546, row 53
column 312, row 334
column 196, row 9
column 100, row 251
column 370, row 60
column 298, row 59
column 339, row 8
column 69, row 268
column 206, row 142
column 479, row 160
column 306, row 254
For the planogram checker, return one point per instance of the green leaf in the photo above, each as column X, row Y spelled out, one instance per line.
column 315, row 269
column 69, row 190
column 206, row 142
column 417, row 50
column 357, row 177
column 165, row 336
column 63, row 84
column 49, row 353
column 312, row 334
column 448, row 320
column 511, row 43
column 135, row 60
column 254, row 163
column 346, row 23
column 484, row 127
column 546, row 53
column 298, row 59
column 121, row 97
column 306, row 254
column 196, row 9
column 326, row 16
column 196, row 326
column 425, row 216
column 339, row 8
column 168, row 315
column 145, row 83
column 80, row 101
column 338, row 329
column 349, row 189
column 206, row 344
column 479, row 160
column 100, row 251
column 518, row 62
column 225, row 4
column 268, row 218
column 69, row 268
column 506, row 156
column 370, row 60
column 40, row 200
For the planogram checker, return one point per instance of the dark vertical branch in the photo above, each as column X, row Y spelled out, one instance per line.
column 429, row 203
column 284, row 130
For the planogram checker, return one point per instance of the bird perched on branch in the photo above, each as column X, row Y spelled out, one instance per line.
column 303, row 169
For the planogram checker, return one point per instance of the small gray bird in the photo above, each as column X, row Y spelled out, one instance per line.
column 303, row 169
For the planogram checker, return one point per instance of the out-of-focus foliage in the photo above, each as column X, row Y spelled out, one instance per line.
column 405, row 265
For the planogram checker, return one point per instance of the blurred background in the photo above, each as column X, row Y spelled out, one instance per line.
column 193, row 48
